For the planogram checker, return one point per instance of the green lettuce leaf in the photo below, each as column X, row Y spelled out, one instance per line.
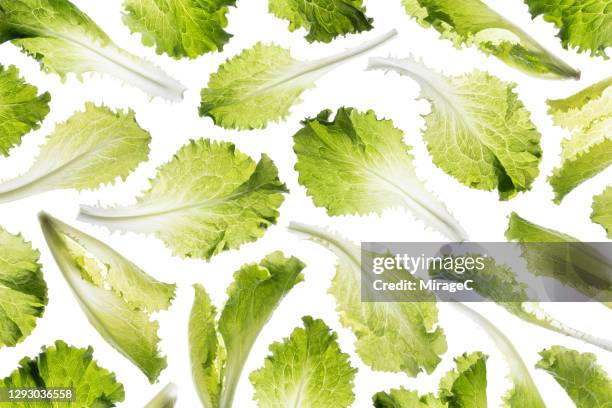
column 467, row 385
column 21, row 108
column 583, row 268
column 208, row 199
column 588, row 150
column 166, row 398
column 524, row 393
column 64, row 366
column 602, row 210
column 498, row 282
column 180, row 28
column 358, row 164
column 583, row 24
column 586, row 382
column 219, row 348
column 306, row 370
column 89, row 149
column 206, row 350
column 324, row 19
column 23, row 291
column 522, row 230
column 478, row 130
column 472, row 22
column 391, row 336
column 65, row 40
column 464, row 387
column 261, row 84
column 117, row 297
column 403, row 398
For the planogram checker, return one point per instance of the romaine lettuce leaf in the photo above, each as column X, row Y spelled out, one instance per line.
column 306, row 370
column 583, row 24
column 219, row 348
column 324, row 19
column 584, row 269
column 522, row 230
column 585, row 381
column 21, row 108
column 498, row 282
column 65, row 40
column 478, row 130
column 64, row 366
column 464, row 387
column 206, row 350
column 208, row 199
column 261, row 84
column 23, row 291
column 166, row 398
column 403, row 398
column 89, row 149
column 117, row 297
column 358, row 164
column 524, row 393
column 602, row 210
column 588, row 150
column 180, row 28
column 472, row 22
column 391, row 336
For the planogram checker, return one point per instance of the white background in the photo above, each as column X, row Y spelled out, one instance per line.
column 172, row 125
